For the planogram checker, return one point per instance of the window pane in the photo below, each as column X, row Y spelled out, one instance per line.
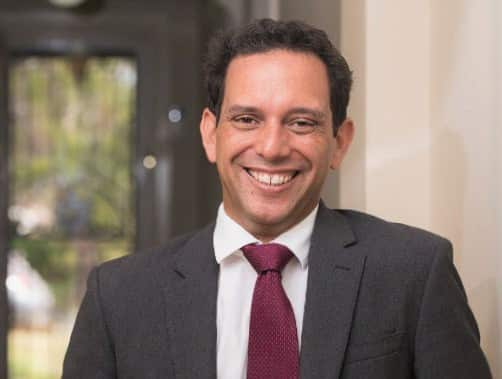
column 71, row 196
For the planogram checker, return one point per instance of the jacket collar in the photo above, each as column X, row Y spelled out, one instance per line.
column 335, row 271
column 191, row 308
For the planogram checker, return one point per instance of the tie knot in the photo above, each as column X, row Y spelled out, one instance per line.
column 270, row 256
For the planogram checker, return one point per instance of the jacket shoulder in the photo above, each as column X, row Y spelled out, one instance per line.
column 394, row 236
column 143, row 267
column 144, row 258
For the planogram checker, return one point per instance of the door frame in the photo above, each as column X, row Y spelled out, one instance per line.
column 4, row 201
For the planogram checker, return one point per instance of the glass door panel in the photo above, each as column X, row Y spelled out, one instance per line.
column 71, row 195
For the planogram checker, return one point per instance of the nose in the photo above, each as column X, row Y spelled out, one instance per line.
column 272, row 141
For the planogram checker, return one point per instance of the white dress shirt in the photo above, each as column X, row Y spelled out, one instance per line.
column 236, row 284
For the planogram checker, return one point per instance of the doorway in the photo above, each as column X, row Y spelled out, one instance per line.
column 71, row 195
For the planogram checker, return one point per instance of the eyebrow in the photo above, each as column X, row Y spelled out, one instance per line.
column 315, row 113
column 237, row 108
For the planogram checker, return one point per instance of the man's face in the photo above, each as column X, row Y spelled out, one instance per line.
column 274, row 142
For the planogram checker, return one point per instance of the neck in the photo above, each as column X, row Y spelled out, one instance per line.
column 266, row 232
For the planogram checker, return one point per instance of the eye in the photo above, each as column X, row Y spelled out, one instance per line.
column 245, row 121
column 302, row 125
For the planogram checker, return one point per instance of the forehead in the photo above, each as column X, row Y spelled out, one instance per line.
column 278, row 75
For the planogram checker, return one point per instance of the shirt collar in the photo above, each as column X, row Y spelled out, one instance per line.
column 229, row 237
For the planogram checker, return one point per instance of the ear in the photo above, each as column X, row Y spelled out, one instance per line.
column 208, row 134
column 343, row 139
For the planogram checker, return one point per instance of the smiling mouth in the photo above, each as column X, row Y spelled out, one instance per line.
column 271, row 179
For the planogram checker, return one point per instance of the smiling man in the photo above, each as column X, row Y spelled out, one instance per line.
column 279, row 287
column 273, row 140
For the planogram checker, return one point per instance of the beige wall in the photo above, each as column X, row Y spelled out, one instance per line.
column 430, row 106
column 397, row 112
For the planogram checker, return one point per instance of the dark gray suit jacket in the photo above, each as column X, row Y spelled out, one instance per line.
column 384, row 301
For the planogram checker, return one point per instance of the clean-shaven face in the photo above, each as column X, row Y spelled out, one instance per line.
column 273, row 144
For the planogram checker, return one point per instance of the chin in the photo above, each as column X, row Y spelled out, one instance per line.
column 270, row 216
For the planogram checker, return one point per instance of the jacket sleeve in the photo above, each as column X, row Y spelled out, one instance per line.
column 447, row 337
column 90, row 352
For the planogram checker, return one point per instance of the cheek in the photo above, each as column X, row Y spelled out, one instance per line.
column 317, row 153
column 231, row 146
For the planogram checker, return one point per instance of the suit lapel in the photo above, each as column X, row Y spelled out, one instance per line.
column 335, row 270
column 191, row 308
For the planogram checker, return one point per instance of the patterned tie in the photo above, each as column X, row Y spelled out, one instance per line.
column 273, row 342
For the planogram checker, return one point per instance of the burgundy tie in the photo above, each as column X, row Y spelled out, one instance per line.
column 273, row 342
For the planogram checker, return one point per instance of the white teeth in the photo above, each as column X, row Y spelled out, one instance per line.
column 276, row 179
column 271, row 180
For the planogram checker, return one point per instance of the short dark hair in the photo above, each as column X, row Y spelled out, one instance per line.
column 264, row 35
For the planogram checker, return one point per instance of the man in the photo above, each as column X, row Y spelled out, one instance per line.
column 280, row 286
